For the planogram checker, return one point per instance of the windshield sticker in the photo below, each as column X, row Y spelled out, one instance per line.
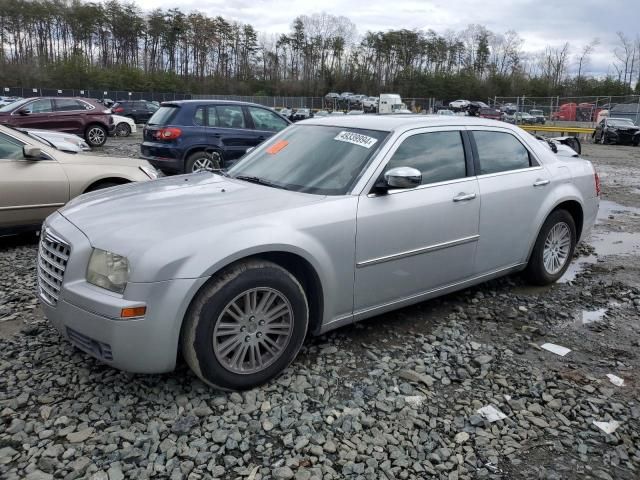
column 356, row 138
column 276, row 147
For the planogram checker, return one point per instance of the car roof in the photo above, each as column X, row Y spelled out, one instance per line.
column 210, row 102
column 403, row 122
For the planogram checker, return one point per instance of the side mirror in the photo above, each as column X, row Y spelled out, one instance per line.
column 402, row 177
column 24, row 111
column 31, row 152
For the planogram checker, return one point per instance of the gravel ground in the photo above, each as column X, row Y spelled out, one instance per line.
column 399, row 396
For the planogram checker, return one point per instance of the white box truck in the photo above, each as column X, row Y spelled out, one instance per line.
column 389, row 103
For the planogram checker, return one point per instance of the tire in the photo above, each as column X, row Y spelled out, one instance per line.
column 204, row 341
column 123, row 129
column 539, row 273
column 197, row 161
column 95, row 135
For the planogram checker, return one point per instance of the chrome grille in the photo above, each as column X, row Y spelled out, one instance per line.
column 53, row 255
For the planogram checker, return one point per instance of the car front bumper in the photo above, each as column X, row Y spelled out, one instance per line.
column 89, row 316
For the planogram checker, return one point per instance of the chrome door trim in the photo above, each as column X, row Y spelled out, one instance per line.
column 509, row 172
column 42, row 205
column 417, row 251
column 469, row 280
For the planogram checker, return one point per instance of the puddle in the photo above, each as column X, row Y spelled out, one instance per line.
column 590, row 316
column 576, row 267
column 615, row 243
column 607, row 208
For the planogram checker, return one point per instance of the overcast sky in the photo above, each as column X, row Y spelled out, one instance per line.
column 539, row 22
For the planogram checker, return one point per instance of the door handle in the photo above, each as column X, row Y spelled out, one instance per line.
column 464, row 197
column 541, row 182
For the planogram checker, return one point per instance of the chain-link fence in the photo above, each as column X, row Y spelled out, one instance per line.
column 92, row 93
column 585, row 110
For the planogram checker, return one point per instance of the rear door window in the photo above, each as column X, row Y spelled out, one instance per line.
column 68, row 105
column 212, row 117
column 163, row 115
column 198, row 117
column 265, row 120
column 230, row 116
column 500, row 152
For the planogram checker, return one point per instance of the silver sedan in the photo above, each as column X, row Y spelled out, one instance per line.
column 331, row 221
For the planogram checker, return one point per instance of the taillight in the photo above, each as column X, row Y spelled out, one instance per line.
column 118, row 109
column 597, row 180
column 168, row 133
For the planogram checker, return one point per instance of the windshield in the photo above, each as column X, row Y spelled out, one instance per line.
column 12, row 106
column 620, row 122
column 163, row 115
column 323, row 160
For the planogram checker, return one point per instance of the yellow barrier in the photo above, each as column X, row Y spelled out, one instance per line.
column 560, row 130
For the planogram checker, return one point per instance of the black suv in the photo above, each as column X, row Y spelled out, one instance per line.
column 191, row 135
column 138, row 110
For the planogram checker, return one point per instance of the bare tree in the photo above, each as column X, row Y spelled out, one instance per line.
column 625, row 60
column 584, row 56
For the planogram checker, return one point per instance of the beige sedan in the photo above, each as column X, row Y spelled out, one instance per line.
column 36, row 179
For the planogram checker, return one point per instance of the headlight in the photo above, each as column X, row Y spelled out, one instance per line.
column 150, row 172
column 108, row 270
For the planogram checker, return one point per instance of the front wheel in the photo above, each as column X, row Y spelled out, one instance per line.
column 553, row 250
column 245, row 326
column 96, row 135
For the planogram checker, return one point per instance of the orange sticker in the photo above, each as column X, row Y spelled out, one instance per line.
column 276, row 147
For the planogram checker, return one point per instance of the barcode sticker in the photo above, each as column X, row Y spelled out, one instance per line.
column 356, row 138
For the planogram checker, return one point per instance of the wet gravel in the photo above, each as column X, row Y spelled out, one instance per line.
column 402, row 395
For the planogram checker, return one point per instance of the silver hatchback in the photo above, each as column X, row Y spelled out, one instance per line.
column 331, row 221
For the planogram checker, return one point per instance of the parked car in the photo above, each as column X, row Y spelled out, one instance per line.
column 474, row 108
column 302, row 114
column 357, row 100
column 4, row 101
column 192, row 135
column 457, row 105
column 629, row 110
column 336, row 112
column 616, row 130
column 538, row 115
column 490, row 113
column 345, row 96
column 65, row 142
column 325, row 224
column 370, row 104
column 139, row 111
column 445, row 112
column 524, row 118
column 321, row 113
column 80, row 116
column 125, row 126
column 509, row 108
column 332, row 96
column 36, row 179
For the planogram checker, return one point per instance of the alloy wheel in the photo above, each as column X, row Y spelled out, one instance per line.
column 96, row 136
column 210, row 162
column 557, row 246
column 253, row 330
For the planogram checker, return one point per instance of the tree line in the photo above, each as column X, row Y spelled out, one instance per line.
column 115, row 45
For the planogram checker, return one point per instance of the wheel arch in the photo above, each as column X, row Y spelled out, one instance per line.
column 95, row 183
column 294, row 263
column 201, row 148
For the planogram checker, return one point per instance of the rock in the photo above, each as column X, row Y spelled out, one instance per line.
column 283, row 473
column 80, row 436
column 482, row 359
column 461, row 437
column 184, row 424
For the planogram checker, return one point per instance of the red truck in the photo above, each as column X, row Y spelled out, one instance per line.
column 576, row 112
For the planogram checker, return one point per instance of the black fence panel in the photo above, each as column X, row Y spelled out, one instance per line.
column 92, row 93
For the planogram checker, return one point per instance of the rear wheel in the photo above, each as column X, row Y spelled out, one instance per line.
column 245, row 326
column 553, row 250
column 95, row 135
column 123, row 129
column 198, row 161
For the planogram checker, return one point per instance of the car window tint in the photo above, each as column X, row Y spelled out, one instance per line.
column 266, row 120
column 500, row 152
column 42, row 105
column 198, row 117
column 10, row 149
column 212, row 117
column 438, row 155
column 67, row 105
column 230, row 116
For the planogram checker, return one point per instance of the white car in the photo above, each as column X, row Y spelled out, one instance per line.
column 459, row 104
column 370, row 104
column 446, row 112
column 125, row 126
column 65, row 142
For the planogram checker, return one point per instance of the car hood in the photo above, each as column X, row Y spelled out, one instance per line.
column 139, row 214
